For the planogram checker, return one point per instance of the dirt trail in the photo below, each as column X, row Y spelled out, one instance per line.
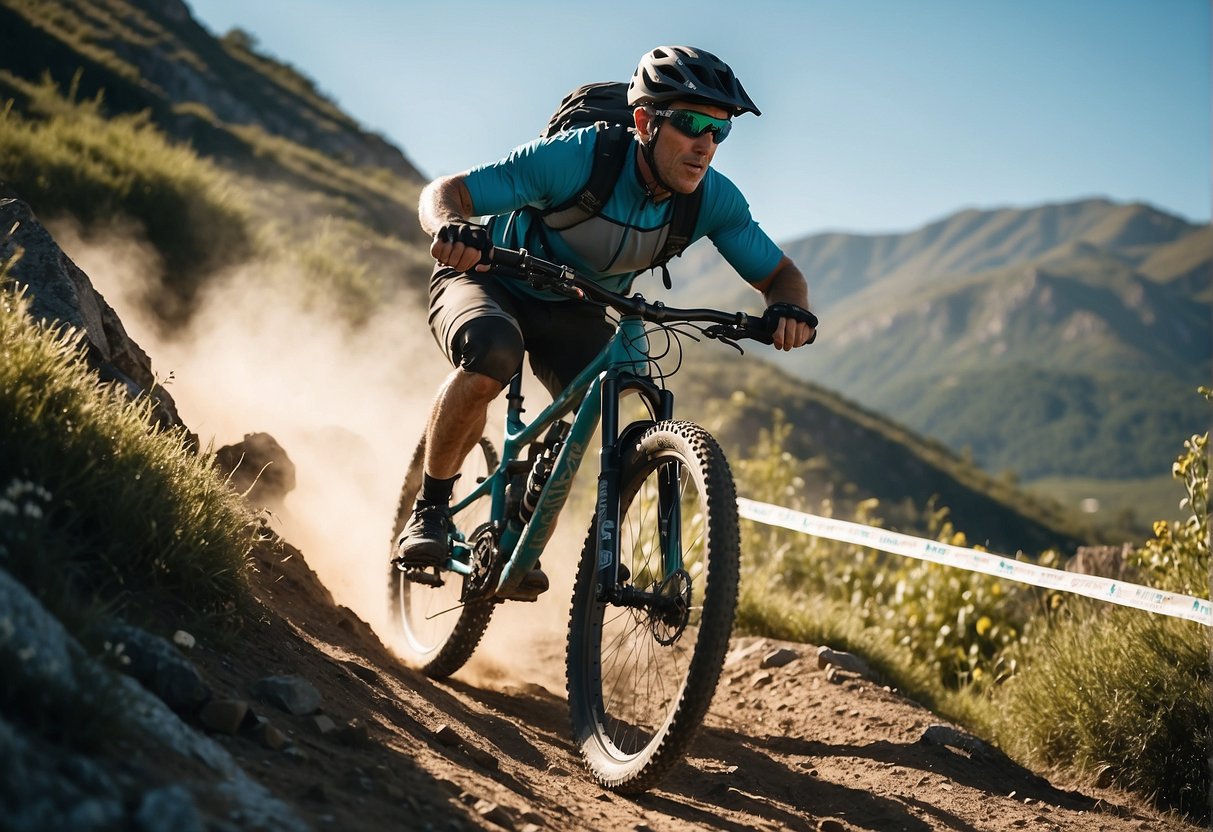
column 783, row 748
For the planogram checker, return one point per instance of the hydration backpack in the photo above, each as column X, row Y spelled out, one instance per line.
column 605, row 105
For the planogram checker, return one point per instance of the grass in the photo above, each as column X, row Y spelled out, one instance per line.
column 101, row 510
column 66, row 158
column 1116, row 694
column 1121, row 695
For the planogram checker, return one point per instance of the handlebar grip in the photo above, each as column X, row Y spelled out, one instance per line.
column 759, row 330
column 507, row 258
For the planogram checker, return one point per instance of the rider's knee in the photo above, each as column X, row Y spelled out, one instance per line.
column 491, row 346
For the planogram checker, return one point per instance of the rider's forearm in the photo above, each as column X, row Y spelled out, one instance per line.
column 785, row 285
column 443, row 201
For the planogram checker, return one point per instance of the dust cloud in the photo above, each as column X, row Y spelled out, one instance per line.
column 347, row 405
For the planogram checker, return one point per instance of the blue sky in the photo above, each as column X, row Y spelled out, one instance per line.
column 878, row 115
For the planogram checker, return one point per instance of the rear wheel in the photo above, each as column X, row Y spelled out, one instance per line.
column 439, row 634
column 641, row 676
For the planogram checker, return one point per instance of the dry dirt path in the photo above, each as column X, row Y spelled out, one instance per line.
column 783, row 748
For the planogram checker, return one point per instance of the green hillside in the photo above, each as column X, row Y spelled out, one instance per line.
column 1058, row 341
column 308, row 184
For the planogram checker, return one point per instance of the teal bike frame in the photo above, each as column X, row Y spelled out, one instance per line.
column 621, row 367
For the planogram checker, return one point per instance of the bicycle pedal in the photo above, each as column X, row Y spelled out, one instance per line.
column 421, row 575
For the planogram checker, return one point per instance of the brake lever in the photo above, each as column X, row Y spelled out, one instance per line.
column 725, row 335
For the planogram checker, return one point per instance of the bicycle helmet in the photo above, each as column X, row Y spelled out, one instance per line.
column 679, row 73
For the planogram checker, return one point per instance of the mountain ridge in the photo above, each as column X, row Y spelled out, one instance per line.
column 1068, row 290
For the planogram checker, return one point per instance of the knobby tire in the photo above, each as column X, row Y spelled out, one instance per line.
column 443, row 647
column 635, row 701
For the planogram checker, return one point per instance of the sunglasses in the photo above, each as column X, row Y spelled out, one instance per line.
column 693, row 124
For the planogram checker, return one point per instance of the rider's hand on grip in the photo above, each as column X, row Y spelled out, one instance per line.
column 462, row 245
column 787, row 316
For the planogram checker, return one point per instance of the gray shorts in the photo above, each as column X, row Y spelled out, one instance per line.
column 471, row 316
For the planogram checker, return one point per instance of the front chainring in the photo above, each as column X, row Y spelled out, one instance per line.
column 486, row 565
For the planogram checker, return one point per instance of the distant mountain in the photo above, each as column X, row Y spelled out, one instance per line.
column 1059, row 340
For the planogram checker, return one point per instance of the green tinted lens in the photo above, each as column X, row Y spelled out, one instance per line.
column 696, row 124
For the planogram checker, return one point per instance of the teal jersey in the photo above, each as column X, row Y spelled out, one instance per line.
column 630, row 231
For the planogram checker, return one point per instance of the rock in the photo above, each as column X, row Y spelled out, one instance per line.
column 447, row 736
column 39, row 654
column 223, row 716
column 160, row 667
column 324, row 724
column 779, row 658
column 61, row 293
column 354, row 734
column 494, row 813
column 170, row 809
column 831, row 825
column 184, row 640
column 321, row 792
column 483, row 758
column 835, row 676
column 761, row 679
column 293, row 694
column 266, row 735
column 845, row 661
column 258, row 468
column 953, row 737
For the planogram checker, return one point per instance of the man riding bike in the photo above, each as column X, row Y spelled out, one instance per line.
column 684, row 100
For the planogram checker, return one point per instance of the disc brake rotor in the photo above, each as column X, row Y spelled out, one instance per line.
column 670, row 614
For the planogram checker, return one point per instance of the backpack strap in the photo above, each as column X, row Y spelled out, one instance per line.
column 610, row 152
column 684, row 215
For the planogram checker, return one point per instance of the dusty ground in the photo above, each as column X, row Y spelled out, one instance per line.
column 783, row 748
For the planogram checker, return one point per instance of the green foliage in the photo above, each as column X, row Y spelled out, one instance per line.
column 1060, row 682
column 1121, row 694
column 1177, row 558
column 66, row 158
column 98, row 507
column 1111, row 425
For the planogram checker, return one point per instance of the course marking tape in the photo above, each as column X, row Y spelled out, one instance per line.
column 1104, row 589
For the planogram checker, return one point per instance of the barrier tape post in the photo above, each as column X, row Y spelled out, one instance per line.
column 1140, row 597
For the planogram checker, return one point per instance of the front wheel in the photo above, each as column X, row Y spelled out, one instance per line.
column 641, row 676
column 439, row 633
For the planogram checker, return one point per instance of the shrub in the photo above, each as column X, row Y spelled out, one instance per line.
column 1126, row 694
column 98, row 507
column 69, row 159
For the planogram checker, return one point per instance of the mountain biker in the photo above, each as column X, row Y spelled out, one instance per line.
column 684, row 100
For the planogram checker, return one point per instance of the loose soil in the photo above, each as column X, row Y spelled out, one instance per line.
column 782, row 748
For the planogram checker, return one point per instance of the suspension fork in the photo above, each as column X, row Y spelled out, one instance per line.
column 661, row 403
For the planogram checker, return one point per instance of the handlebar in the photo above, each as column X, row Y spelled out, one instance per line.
column 541, row 274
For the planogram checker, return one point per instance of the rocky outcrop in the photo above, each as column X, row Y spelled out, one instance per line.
column 258, row 468
column 48, row 785
column 61, row 293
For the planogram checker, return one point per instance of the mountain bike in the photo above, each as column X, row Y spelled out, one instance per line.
column 656, row 586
